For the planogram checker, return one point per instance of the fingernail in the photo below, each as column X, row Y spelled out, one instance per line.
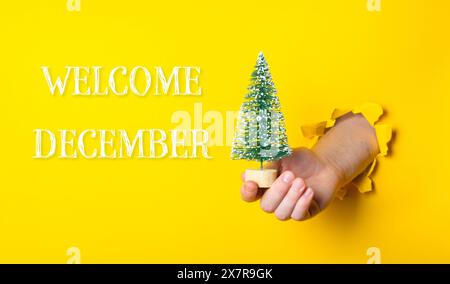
column 309, row 191
column 298, row 185
column 287, row 177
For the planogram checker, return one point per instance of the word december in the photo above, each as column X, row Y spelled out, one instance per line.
column 111, row 144
column 138, row 80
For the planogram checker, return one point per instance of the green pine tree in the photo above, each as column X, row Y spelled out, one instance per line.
column 260, row 133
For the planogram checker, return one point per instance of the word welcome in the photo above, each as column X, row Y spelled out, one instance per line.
column 87, row 81
column 112, row 144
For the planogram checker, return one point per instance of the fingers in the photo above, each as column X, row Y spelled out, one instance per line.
column 314, row 208
column 286, row 207
column 288, row 197
column 249, row 191
column 275, row 194
column 301, row 209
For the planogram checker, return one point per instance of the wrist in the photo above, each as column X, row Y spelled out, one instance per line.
column 348, row 148
column 332, row 168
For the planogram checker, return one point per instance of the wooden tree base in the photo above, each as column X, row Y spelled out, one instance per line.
column 264, row 178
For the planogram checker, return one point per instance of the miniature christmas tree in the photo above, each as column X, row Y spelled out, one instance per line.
column 260, row 133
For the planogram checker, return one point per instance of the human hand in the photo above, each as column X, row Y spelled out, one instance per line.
column 305, row 186
column 309, row 178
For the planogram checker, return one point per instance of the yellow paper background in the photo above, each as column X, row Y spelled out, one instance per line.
column 323, row 54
